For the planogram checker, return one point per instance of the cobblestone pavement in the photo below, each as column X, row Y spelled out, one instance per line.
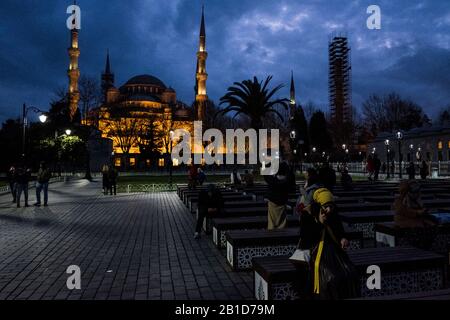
column 137, row 246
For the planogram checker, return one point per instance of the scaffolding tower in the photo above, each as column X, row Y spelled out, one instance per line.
column 340, row 79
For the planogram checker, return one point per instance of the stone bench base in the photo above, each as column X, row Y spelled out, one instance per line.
column 274, row 277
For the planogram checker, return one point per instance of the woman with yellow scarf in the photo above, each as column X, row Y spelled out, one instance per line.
column 333, row 276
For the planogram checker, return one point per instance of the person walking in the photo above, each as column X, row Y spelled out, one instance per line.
column 370, row 167
column 411, row 171
column 11, row 176
column 376, row 166
column 43, row 179
column 210, row 202
column 22, row 179
column 201, row 177
column 112, row 180
column 424, row 172
column 105, row 179
column 192, row 177
column 280, row 185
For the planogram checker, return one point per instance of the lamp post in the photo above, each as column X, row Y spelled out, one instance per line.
column 386, row 142
column 25, row 110
column 344, row 147
column 170, row 158
column 411, row 152
column 400, row 156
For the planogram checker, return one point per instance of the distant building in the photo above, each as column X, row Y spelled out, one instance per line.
column 430, row 144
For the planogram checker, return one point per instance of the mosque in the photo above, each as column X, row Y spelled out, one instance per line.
column 144, row 101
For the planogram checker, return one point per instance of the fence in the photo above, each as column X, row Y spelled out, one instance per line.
column 6, row 188
column 150, row 188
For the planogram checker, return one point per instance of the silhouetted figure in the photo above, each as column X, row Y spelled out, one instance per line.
column 201, row 176
column 376, row 166
column 43, row 179
column 411, row 171
column 192, row 177
column 346, row 180
column 280, row 185
column 370, row 167
column 11, row 176
column 424, row 172
column 248, row 179
column 235, row 178
column 22, row 179
column 327, row 176
column 383, row 168
column 112, row 180
column 210, row 202
column 105, row 179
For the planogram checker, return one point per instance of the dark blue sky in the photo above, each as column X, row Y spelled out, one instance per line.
column 409, row 55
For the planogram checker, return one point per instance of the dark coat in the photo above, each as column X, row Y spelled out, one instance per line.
column 215, row 201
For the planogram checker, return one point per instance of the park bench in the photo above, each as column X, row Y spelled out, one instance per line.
column 434, row 238
column 404, row 270
column 243, row 245
column 235, row 213
column 365, row 221
column 391, row 199
column 364, row 206
column 436, row 295
column 188, row 196
column 221, row 225
column 361, row 193
column 230, row 201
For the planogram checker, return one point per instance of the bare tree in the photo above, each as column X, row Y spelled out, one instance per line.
column 125, row 132
column 90, row 94
column 391, row 112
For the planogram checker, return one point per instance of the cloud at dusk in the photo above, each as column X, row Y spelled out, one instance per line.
column 409, row 55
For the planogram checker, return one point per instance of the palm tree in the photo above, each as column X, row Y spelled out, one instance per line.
column 253, row 99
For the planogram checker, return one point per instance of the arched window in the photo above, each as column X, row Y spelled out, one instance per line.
column 440, row 145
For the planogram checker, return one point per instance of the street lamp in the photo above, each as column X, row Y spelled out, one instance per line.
column 43, row 118
column 25, row 110
column 386, row 142
column 170, row 158
column 400, row 156
column 68, row 132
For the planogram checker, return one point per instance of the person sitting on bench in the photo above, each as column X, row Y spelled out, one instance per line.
column 408, row 207
column 248, row 179
column 346, row 180
column 210, row 201
column 332, row 275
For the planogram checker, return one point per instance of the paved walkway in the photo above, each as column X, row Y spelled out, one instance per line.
column 137, row 246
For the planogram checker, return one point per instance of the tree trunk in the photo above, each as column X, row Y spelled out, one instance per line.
column 88, row 175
